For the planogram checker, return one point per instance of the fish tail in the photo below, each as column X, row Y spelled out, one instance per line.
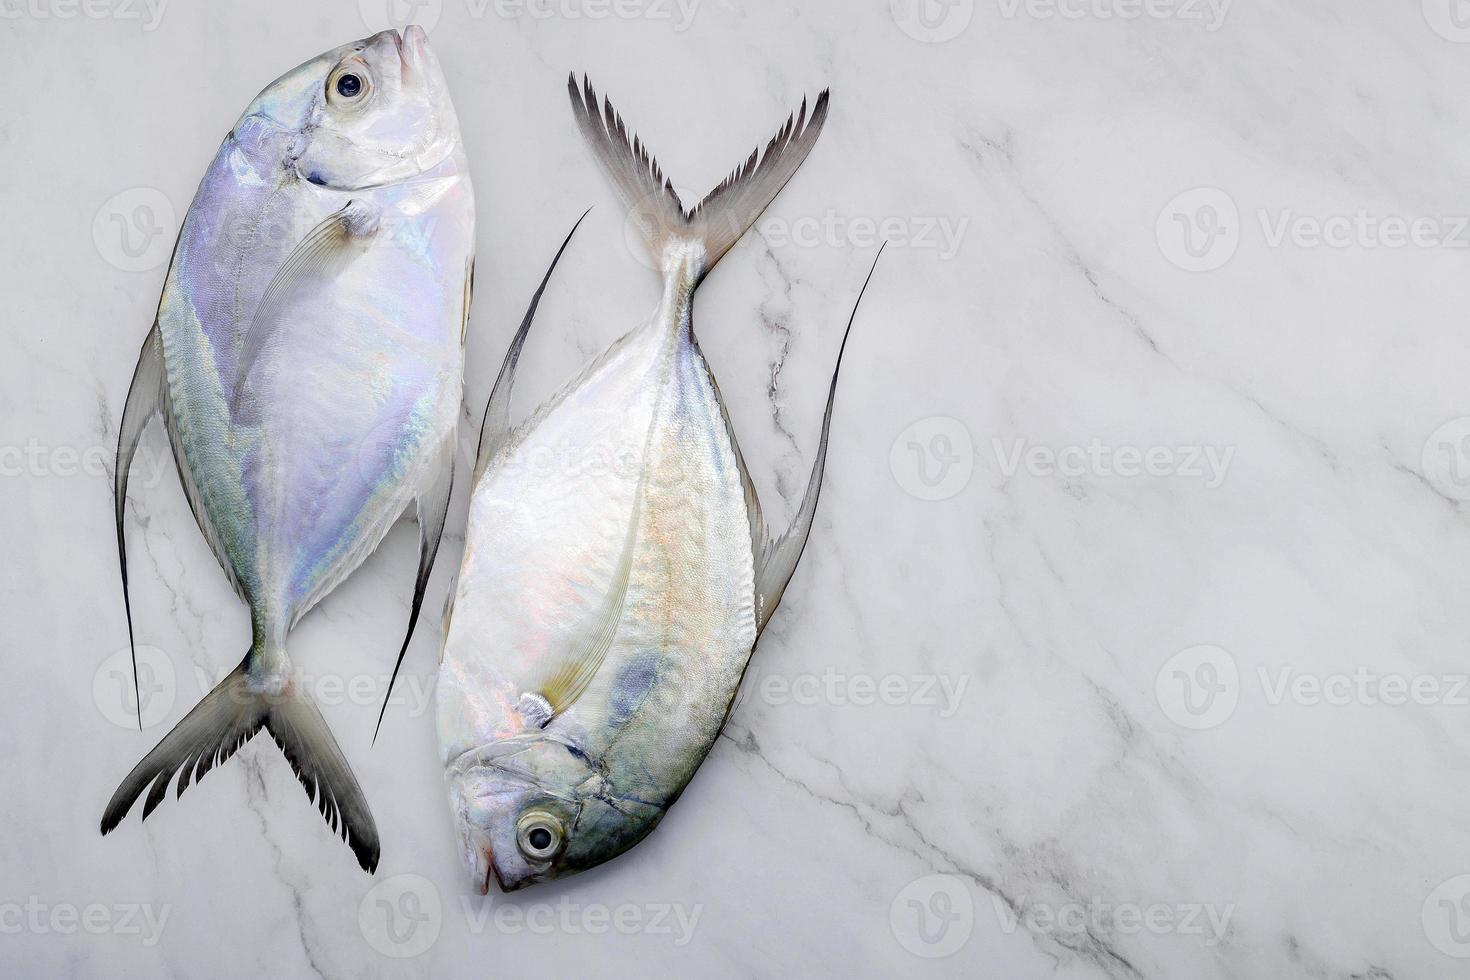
column 225, row 720
column 718, row 221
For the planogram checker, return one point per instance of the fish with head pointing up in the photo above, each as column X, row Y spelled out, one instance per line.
column 617, row 569
column 306, row 359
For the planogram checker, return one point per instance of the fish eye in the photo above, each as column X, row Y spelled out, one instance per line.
column 348, row 86
column 539, row 836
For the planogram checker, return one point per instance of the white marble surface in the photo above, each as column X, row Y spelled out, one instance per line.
column 1285, row 511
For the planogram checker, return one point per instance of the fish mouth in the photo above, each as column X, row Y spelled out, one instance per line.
column 487, row 870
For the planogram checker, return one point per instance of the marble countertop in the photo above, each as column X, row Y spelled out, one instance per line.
column 1131, row 638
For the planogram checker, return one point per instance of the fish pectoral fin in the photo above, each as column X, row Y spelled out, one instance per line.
column 776, row 562
column 145, row 400
column 495, row 425
column 320, row 256
column 570, row 679
column 433, row 511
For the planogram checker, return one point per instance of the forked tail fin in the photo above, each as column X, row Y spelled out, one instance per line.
column 718, row 221
column 225, row 720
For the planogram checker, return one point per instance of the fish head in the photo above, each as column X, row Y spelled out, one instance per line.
column 532, row 808
column 373, row 112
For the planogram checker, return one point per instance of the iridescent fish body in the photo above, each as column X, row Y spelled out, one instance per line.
column 617, row 570
column 307, row 360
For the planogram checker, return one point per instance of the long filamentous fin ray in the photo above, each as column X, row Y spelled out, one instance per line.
column 779, row 562
column 145, row 400
column 495, row 424
column 433, row 512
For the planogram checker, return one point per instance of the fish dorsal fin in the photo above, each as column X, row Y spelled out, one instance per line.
column 321, row 255
column 571, row 677
column 496, row 424
column 775, row 568
column 145, row 400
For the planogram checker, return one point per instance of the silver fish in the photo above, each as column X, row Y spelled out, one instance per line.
column 307, row 360
column 617, row 570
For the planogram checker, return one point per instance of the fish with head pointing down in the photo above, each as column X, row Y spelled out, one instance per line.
column 306, row 359
column 608, row 603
